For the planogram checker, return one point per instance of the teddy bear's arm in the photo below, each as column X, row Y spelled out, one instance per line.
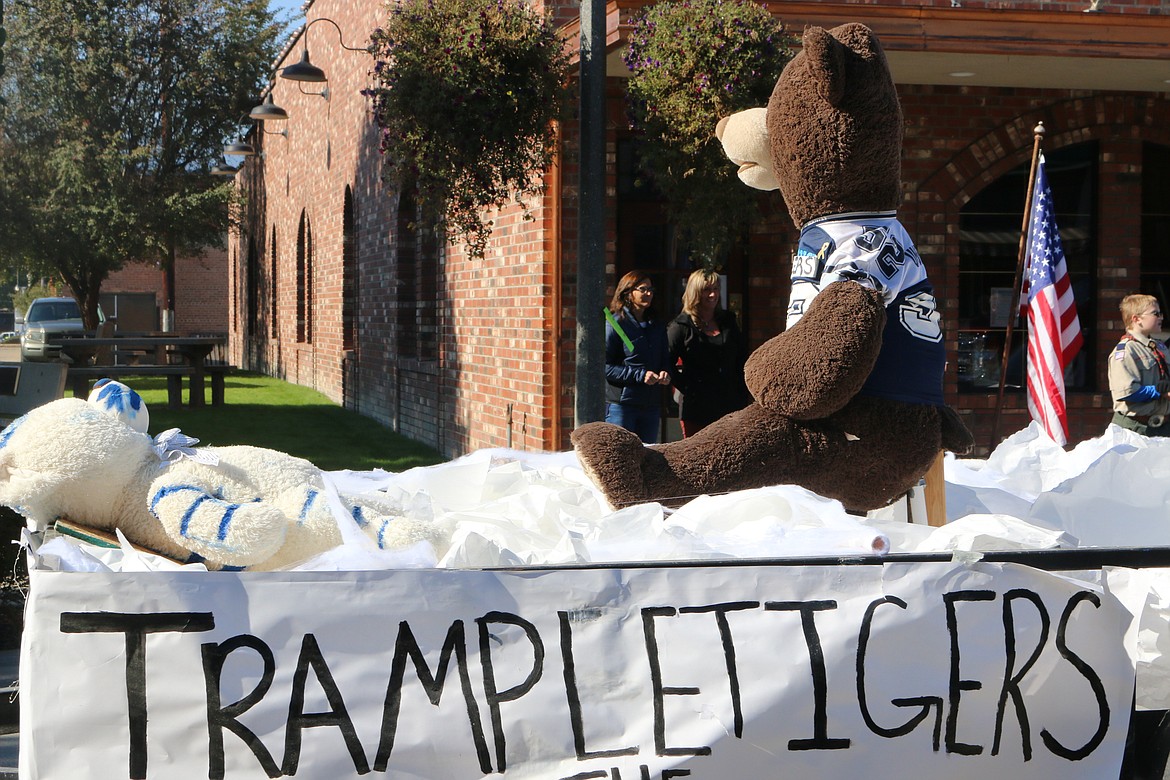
column 816, row 367
column 220, row 530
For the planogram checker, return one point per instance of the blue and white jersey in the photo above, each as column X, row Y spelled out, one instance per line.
column 875, row 251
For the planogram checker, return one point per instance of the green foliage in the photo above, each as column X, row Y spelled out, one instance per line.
column 692, row 63
column 26, row 295
column 116, row 110
column 466, row 93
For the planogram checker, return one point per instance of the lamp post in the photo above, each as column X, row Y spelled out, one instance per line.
column 589, row 403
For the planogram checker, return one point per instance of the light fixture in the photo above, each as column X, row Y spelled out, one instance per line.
column 268, row 111
column 227, row 171
column 307, row 71
column 961, row 74
column 303, row 70
column 239, row 149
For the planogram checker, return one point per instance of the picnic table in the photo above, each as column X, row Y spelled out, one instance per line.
column 90, row 362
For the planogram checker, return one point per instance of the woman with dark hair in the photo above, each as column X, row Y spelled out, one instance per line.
column 636, row 359
column 707, row 350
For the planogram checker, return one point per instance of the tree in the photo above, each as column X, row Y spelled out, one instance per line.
column 466, row 93
column 691, row 63
column 116, row 111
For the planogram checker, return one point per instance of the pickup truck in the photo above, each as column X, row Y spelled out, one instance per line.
column 47, row 320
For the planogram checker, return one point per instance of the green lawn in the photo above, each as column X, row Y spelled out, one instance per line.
column 267, row 412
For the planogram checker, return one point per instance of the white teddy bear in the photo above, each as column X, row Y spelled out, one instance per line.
column 230, row 507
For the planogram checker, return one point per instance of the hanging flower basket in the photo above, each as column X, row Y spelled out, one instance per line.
column 692, row 63
column 466, row 93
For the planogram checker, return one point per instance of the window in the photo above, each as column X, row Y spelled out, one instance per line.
column 349, row 273
column 406, row 292
column 417, row 293
column 272, row 286
column 1155, row 270
column 989, row 246
column 305, row 281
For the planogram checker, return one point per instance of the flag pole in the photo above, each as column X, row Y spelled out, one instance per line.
column 1014, row 308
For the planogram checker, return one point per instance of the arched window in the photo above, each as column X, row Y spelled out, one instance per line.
column 989, row 245
column 305, row 281
column 349, row 273
column 254, row 289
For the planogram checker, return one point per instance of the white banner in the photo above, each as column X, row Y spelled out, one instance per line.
column 901, row 670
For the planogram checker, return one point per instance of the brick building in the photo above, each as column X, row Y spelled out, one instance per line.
column 135, row 294
column 332, row 287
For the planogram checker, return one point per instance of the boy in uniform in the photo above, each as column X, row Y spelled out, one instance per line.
column 1139, row 378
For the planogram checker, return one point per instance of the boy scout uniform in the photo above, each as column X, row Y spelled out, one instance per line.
column 1133, row 364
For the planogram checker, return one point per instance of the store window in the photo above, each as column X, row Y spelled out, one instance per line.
column 989, row 246
column 1155, row 268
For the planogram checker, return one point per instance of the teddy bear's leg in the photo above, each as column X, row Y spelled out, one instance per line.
column 231, row 533
column 891, row 446
column 747, row 449
column 379, row 519
column 865, row 456
column 389, row 526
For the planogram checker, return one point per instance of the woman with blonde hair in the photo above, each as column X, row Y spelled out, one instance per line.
column 707, row 352
column 636, row 359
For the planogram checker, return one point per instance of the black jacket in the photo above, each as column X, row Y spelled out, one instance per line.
column 710, row 375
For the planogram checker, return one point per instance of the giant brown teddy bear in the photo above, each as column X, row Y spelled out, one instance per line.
column 848, row 399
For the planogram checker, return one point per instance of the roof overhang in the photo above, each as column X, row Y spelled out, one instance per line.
column 1090, row 50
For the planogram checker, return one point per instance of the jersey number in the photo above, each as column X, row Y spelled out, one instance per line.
column 919, row 315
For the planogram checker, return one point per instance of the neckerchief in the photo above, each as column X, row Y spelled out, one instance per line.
column 1163, row 369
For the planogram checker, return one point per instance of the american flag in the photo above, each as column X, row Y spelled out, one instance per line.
column 1054, row 330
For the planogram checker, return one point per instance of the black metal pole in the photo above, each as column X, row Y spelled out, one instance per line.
column 589, row 404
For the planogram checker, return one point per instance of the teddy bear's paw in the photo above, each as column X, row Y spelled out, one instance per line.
column 815, row 367
column 612, row 457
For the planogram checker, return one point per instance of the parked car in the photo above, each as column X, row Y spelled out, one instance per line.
column 46, row 321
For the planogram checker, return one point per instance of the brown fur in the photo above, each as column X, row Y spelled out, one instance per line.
column 835, row 129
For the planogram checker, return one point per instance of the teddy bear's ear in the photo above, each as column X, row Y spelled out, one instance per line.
column 120, row 401
column 826, row 61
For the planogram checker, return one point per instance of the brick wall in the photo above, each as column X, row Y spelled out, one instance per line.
column 484, row 382
column 202, row 289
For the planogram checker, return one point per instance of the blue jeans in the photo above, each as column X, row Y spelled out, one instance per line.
column 645, row 421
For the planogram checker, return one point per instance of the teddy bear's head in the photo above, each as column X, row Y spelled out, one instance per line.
column 65, row 455
column 834, row 126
